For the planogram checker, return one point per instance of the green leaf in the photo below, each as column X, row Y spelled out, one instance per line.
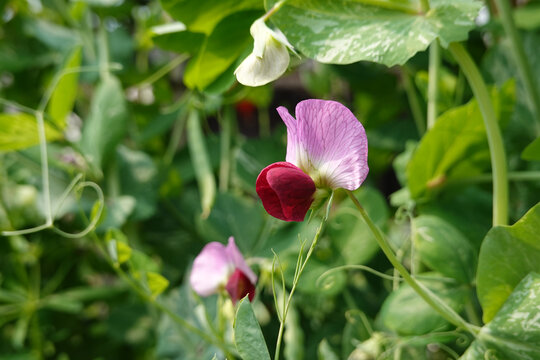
column 348, row 31
column 248, row 335
column 204, row 15
column 455, row 147
column 514, row 333
column 201, row 162
column 220, row 50
column 507, row 255
column 65, row 93
column 406, row 313
column 443, row 248
column 532, row 151
column 156, row 283
column 106, row 123
column 350, row 234
column 20, row 131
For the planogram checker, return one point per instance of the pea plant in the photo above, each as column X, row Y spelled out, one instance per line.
column 278, row 179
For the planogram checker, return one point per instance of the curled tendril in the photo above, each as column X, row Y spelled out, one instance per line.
column 76, row 186
column 490, row 354
column 404, row 213
column 462, row 339
column 452, row 354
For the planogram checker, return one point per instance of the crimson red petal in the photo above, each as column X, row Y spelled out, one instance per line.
column 239, row 286
column 286, row 191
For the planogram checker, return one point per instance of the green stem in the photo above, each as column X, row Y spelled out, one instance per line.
column 496, row 146
column 414, row 102
column 523, row 65
column 433, row 300
column 297, row 276
column 433, row 93
column 163, row 71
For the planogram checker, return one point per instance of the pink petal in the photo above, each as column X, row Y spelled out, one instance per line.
column 292, row 138
column 211, row 269
column 235, row 257
column 330, row 143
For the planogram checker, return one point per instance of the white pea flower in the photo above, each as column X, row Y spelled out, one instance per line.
column 269, row 58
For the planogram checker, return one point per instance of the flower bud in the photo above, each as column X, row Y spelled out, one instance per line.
column 269, row 58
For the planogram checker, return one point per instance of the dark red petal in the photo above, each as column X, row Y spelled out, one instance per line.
column 239, row 286
column 286, row 191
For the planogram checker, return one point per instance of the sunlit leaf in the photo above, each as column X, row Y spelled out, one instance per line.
column 347, row 31
column 456, row 147
column 20, row 131
column 248, row 335
column 507, row 255
column 65, row 92
column 514, row 332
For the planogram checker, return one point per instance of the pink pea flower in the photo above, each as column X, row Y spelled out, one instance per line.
column 326, row 149
column 220, row 267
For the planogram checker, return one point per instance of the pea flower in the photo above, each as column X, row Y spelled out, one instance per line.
column 219, row 267
column 269, row 58
column 326, row 149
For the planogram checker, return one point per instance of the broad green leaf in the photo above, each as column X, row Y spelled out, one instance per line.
column 455, row 147
column 106, row 123
column 514, row 332
column 347, row 31
column 532, row 151
column 20, row 131
column 407, row 313
column 201, row 163
column 65, row 92
column 220, row 50
column 247, row 333
column 507, row 255
column 350, row 234
column 156, row 283
column 444, row 248
column 204, row 15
